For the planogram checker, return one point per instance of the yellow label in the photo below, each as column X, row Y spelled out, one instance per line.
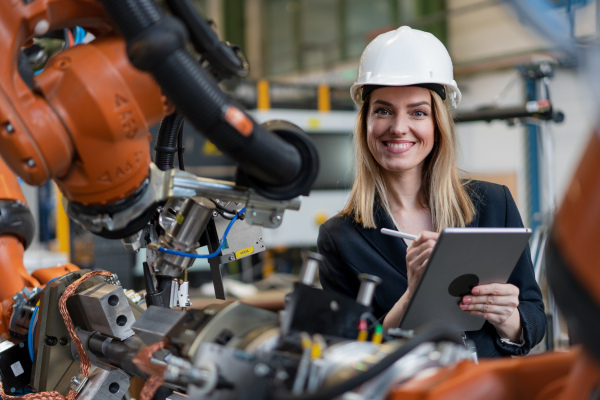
column 314, row 123
column 244, row 252
column 179, row 218
column 210, row 149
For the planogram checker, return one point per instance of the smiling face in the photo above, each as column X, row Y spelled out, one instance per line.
column 400, row 127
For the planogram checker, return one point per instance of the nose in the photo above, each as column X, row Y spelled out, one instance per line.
column 399, row 125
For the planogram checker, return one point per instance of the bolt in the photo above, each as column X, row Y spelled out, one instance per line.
column 231, row 258
column 215, row 214
column 9, row 128
column 30, row 163
column 51, row 341
column 275, row 219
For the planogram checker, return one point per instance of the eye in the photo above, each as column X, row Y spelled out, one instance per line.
column 420, row 113
column 381, row 111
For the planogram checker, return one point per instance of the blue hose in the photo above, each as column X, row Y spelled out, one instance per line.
column 30, row 333
column 213, row 254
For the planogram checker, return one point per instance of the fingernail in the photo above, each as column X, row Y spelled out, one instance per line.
column 475, row 291
column 463, row 306
column 466, row 299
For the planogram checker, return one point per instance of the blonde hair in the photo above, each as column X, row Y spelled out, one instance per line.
column 442, row 190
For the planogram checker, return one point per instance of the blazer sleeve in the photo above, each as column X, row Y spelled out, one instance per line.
column 335, row 273
column 531, row 305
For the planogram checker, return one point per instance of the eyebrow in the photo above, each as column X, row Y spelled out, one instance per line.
column 411, row 105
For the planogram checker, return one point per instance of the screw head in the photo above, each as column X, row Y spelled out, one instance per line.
column 9, row 128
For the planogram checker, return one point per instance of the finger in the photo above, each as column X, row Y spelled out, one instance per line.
column 496, row 289
column 488, row 308
column 510, row 301
column 421, row 258
column 418, row 252
column 425, row 236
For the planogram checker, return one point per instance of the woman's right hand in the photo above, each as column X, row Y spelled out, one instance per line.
column 417, row 256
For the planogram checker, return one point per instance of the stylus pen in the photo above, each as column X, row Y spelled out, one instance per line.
column 399, row 234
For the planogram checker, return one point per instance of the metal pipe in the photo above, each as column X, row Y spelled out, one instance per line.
column 116, row 352
column 309, row 269
column 368, row 283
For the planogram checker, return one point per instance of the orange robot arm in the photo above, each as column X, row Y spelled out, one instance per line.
column 16, row 232
column 17, row 228
column 85, row 122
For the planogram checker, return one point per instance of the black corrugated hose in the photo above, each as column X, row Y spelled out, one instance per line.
column 157, row 43
column 167, row 142
column 219, row 55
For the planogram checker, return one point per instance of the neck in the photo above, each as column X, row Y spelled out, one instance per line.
column 403, row 190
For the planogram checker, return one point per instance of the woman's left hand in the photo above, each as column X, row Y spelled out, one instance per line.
column 498, row 304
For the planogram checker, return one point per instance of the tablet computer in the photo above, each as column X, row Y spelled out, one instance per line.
column 461, row 259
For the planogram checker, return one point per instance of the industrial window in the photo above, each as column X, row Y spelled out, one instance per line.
column 315, row 35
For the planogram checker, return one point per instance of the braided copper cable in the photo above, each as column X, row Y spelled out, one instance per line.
column 142, row 360
column 83, row 357
column 150, row 387
column 38, row 396
column 62, row 307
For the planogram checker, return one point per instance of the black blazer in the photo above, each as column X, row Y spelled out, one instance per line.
column 350, row 250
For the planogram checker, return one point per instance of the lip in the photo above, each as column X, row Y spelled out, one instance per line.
column 405, row 145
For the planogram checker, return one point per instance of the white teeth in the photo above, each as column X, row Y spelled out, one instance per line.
column 399, row 145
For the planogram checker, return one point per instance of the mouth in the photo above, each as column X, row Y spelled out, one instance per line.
column 399, row 145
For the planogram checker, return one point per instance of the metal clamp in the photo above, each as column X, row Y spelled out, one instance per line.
column 78, row 382
column 113, row 280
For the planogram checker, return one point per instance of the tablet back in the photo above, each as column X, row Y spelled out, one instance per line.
column 461, row 259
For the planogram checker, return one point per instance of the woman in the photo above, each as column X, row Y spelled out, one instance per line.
column 407, row 179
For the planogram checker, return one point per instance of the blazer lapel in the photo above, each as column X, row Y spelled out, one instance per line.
column 477, row 203
column 390, row 248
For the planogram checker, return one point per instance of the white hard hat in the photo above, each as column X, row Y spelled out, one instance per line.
column 406, row 57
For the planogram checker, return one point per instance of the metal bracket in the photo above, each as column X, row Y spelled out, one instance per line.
column 78, row 382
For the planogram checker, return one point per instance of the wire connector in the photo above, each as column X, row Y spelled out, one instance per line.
column 113, row 280
column 78, row 382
